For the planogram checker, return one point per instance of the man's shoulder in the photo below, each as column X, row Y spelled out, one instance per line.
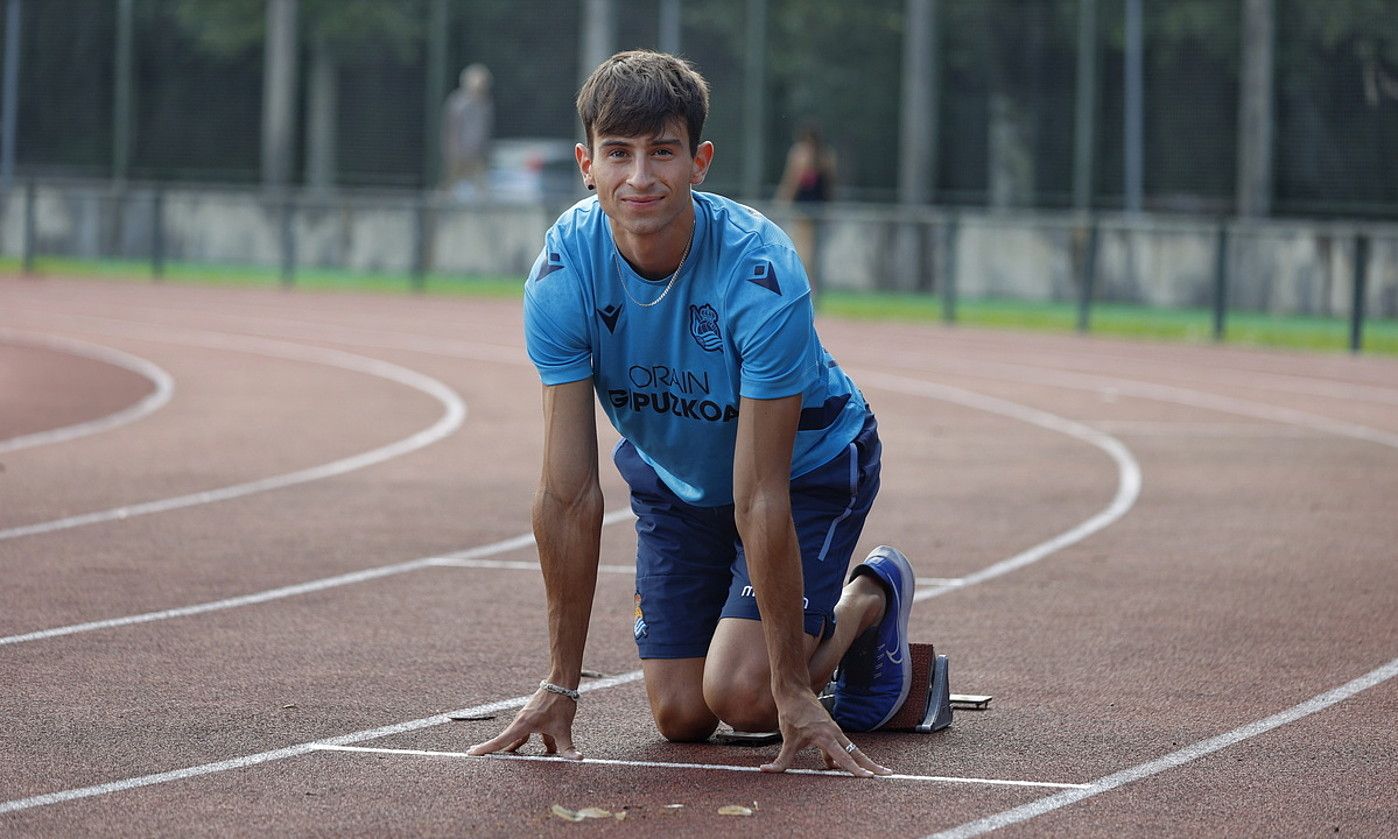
column 579, row 225
column 744, row 230
column 568, row 245
column 734, row 217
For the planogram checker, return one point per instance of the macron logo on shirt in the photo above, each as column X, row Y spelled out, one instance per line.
column 554, row 263
column 609, row 316
column 765, row 275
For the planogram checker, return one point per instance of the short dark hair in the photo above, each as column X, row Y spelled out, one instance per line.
column 637, row 93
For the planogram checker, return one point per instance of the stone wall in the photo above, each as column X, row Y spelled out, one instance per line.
column 1277, row 266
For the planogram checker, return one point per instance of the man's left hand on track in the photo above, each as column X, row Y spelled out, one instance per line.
column 805, row 724
column 548, row 715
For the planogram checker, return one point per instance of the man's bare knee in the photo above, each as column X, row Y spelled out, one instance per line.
column 675, row 690
column 683, row 724
column 743, row 702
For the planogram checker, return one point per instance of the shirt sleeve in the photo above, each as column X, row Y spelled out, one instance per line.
column 555, row 331
column 776, row 335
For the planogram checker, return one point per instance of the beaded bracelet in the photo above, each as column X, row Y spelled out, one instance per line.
column 560, row 690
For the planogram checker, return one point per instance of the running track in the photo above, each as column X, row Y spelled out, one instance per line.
column 255, row 543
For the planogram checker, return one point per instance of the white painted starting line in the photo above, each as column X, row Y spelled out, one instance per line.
column 713, row 767
column 290, row 751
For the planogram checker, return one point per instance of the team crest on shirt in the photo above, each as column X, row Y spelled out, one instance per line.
column 703, row 325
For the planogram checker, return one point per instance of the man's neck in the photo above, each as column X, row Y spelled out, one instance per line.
column 657, row 255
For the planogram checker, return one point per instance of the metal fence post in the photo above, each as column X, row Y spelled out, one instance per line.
column 157, row 234
column 29, row 242
column 1220, row 281
column 288, row 230
column 421, row 243
column 1361, row 276
column 949, row 230
column 9, row 93
column 1088, row 280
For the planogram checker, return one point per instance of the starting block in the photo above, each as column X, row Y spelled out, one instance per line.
column 928, row 707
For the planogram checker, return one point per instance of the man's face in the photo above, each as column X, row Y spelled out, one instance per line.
column 643, row 183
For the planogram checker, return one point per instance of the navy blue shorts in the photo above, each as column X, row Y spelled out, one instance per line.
column 690, row 568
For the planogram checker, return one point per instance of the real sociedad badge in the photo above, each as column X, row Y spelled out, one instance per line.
column 703, row 325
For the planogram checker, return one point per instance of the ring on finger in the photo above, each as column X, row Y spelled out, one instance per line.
column 851, row 748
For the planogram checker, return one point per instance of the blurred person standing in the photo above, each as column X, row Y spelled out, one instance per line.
column 808, row 181
column 467, row 129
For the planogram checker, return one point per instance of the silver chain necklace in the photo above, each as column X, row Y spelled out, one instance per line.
column 669, row 285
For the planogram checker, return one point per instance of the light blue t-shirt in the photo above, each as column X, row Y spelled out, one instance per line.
column 737, row 322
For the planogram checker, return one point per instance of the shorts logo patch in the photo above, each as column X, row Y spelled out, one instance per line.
column 703, row 325
column 639, row 629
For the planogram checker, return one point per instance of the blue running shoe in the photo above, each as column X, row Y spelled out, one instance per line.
column 876, row 673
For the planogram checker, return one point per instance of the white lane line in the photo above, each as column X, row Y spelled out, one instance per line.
column 1305, row 385
column 150, row 403
column 1128, row 489
column 1174, row 759
column 238, row 763
column 290, row 751
column 453, row 415
column 1029, row 374
column 1250, row 409
column 1137, row 428
column 460, row 558
column 713, row 767
column 1128, row 470
column 516, row 565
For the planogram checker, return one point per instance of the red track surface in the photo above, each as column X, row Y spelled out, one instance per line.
column 1255, row 570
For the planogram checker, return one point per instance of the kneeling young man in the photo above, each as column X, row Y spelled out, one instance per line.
column 751, row 457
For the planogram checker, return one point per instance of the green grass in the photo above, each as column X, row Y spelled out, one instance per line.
column 1119, row 320
column 1113, row 319
column 317, row 279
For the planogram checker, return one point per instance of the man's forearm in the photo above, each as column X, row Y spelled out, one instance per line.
column 774, row 566
column 568, row 533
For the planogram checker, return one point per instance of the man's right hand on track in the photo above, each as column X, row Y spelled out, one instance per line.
column 548, row 715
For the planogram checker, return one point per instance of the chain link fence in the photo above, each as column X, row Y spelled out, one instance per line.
column 173, row 90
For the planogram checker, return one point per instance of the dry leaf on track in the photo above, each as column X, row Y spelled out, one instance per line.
column 734, row 810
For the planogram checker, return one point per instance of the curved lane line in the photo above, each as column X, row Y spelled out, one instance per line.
column 1128, row 489
column 1291, row 383
column 460, row 557
column 1128, row 470
column 996, row 405
column 1146, row 390
column 449, row 422
column 1189, row 753
column 1026, row 373
column 150, row 403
